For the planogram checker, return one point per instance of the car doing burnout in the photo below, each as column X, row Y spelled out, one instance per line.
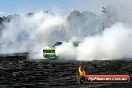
column 50, row 53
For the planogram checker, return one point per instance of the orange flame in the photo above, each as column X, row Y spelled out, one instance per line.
column 81, row 71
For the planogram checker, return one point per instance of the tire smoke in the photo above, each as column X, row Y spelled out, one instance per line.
column 31, row 33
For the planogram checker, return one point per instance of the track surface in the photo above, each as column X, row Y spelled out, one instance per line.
column 16, row 72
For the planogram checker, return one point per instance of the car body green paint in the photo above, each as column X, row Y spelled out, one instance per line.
column 50, row 53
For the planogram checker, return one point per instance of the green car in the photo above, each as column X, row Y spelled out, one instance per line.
column 50, row 53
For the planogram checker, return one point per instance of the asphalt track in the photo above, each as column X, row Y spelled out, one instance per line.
column 18, row 72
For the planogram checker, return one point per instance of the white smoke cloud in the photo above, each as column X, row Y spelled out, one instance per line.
column 31, row 33
column 113, row 43
column 26, row 33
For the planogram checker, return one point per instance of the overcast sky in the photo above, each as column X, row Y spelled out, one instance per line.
column 17, row 6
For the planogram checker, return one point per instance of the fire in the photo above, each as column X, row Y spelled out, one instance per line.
column 81, row 71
